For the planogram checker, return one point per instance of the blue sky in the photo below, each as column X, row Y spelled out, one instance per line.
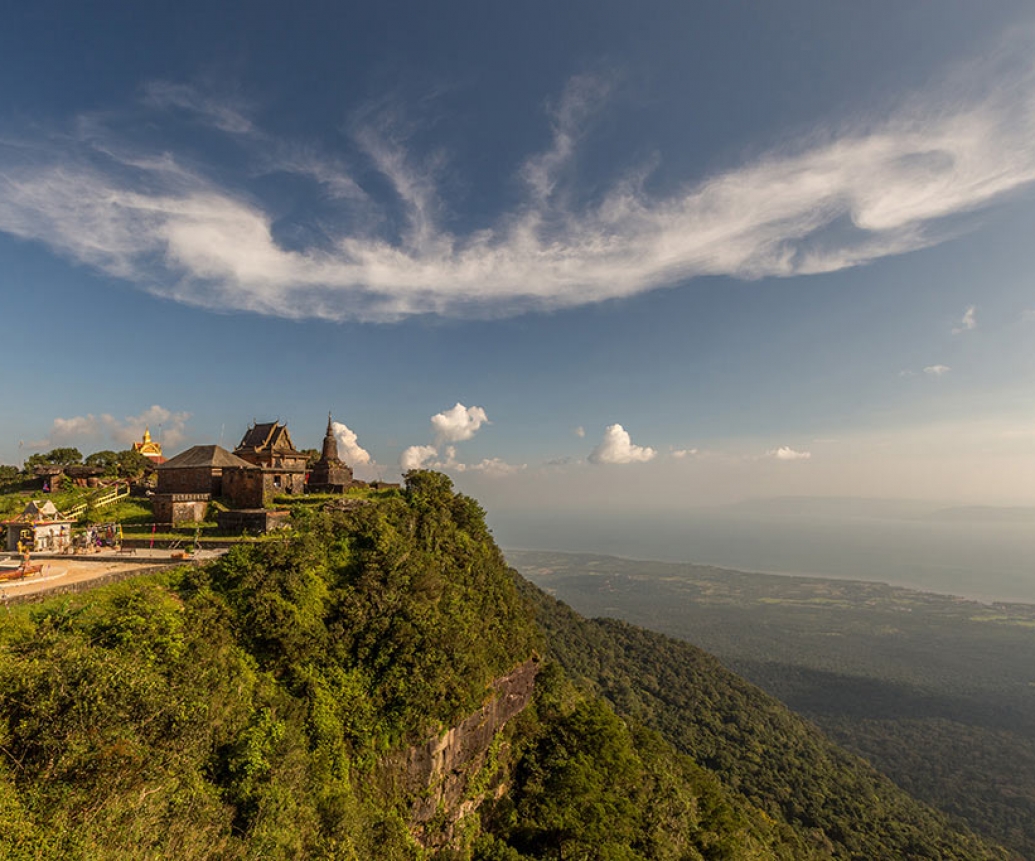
column 694, row 252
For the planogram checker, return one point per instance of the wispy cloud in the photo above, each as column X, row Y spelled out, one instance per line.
column 840, row 198
column 617, row 447
column 681, row 453
column 937, row 370
column 786, row 453
column 968, row 322
column 218, row 112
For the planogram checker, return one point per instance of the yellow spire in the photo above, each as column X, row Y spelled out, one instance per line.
column 147, row 434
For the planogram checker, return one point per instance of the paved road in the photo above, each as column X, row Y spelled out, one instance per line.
column 60, row 571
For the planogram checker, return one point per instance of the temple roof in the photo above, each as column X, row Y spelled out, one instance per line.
column 212, row 456
column 265, row 436
column 148, row 447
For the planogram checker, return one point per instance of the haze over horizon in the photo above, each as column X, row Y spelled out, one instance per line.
column 591, row 258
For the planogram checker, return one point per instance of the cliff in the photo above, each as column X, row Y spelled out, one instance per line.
column 451, row 774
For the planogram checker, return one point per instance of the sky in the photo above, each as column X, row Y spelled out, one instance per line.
column 593, row 255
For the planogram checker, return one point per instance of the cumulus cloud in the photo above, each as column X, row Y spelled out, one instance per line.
column 164, row 423
column 786, row 453
column 427, row 457
column 937, row 370
column 968, row 322
column 458, row 423
column 617, row 447
column 839, row 198
column 348, row 446
column 417, row 457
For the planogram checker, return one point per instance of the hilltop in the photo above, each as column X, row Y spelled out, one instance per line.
column 376, row 683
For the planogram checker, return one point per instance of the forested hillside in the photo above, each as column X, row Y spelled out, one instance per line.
column 276, row 704
column 935, row 690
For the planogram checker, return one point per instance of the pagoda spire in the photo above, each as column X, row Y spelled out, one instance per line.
column 330, row 444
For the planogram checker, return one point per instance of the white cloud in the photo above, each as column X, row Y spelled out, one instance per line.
column 785, row 452
column 617, row 447
column 166, row 426
column 681, row 453
column 427, row 457
column 493, row 467
column 458, row 423
column 580, row 432
column 840, row 198
column 968, row 322
column 937, row 370
column 417, row 457
column 348, row 446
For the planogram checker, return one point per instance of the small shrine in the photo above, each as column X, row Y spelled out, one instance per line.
column 149, row 448
column 40, row 528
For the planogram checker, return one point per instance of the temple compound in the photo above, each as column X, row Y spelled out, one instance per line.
column 264, row 465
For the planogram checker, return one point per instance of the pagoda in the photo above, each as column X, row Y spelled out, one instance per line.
column 149, row 448
column 329, row 474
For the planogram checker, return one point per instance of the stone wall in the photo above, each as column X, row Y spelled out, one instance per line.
column 243, row 487
column 193, row 479
column 179, row 507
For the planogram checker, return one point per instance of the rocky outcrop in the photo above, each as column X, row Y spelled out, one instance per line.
column 451, row 774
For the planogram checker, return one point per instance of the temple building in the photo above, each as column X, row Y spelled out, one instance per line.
column 187, row 482
column 268, row 446
column 329, row 474
column 149, row 448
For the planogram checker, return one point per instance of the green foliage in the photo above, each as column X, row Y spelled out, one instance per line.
column 105, row 459
column 777, row 761
column 54, row 457
column 241, row 710
column 589, row 785
column 263, row 706
column 932, row 689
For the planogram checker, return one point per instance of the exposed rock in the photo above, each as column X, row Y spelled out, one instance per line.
column 440, row 772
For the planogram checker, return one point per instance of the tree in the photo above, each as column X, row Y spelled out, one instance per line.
column 312, row 455
column 132, row 464
column 55, row 457
column 105, row 459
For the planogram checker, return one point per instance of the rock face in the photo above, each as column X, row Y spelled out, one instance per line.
column 447, row 775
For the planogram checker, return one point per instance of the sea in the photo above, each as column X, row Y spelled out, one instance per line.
column 984, row 554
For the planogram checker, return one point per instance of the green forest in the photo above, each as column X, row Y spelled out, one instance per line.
column 269, row 705
column 935, row 690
